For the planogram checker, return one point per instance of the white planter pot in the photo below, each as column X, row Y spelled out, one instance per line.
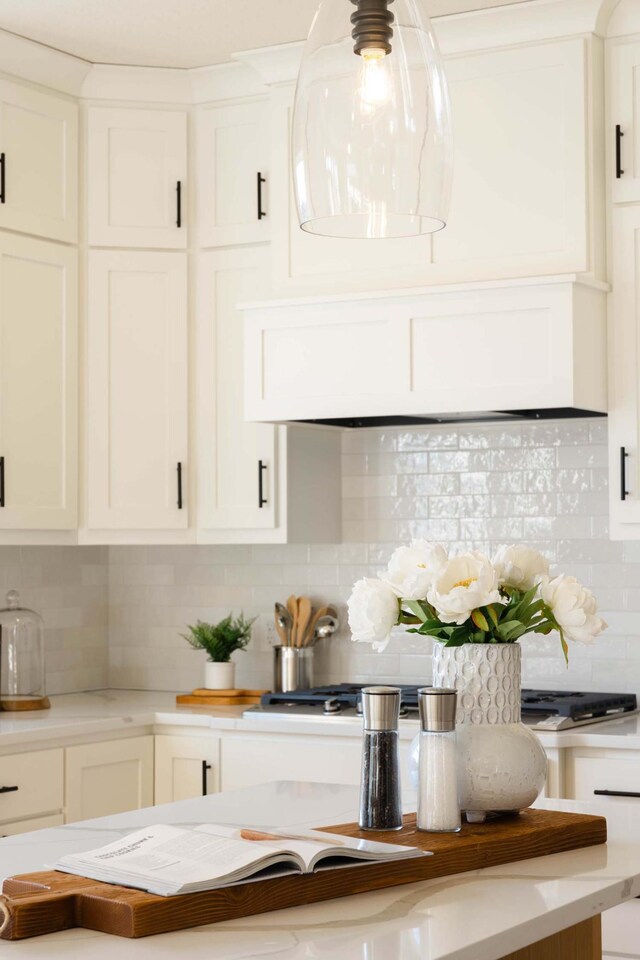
column 219, row 676
column 501, row 764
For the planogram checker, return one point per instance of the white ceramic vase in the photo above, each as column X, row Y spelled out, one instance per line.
column 219, row 676
column 501, row 763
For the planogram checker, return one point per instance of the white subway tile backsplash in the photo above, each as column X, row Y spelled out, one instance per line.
column 116, row 614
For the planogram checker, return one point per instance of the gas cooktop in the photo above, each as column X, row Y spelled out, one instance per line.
column 542, row 709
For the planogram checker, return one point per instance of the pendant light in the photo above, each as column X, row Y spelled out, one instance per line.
column 372, row 123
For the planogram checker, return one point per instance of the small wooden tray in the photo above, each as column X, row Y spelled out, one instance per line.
column 219, row 698
column 38, row 903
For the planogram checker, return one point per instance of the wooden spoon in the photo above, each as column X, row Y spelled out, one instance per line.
column 292, row 607
column 304, row 615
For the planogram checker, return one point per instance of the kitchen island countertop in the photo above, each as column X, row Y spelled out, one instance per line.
column 482, row 915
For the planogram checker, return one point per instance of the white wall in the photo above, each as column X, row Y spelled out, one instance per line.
column 469, row 486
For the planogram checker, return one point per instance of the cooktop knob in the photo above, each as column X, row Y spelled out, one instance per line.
column 332, row 705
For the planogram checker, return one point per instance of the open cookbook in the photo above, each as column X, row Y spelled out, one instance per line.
column 169, row 860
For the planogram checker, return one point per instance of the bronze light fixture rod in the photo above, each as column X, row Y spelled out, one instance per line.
column 372, row 29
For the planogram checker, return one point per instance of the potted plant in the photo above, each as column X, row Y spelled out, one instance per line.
column 219, row 641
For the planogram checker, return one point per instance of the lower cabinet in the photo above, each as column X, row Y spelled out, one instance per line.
column 186, row 767
column 249, row 760
column 31, row 785
column 109, row 777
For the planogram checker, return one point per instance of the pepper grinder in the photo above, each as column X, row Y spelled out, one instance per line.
column 438, row 806
column 380, row 806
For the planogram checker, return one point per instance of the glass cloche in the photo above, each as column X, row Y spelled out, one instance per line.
column 21, row 657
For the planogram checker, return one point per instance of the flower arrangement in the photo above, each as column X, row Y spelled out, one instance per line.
column 469, row 598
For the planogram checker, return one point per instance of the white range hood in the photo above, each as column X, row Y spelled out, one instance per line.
column 534, row 347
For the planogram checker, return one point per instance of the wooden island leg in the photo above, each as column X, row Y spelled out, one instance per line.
column 581, row 942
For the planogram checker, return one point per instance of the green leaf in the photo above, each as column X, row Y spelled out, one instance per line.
column 491, row 610
column 480, row 620
column 417, row 609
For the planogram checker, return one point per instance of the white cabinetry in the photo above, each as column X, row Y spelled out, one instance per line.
column 31, row 786
column 137, row 391
column 32, row 823
column 232, row 179
column 38, row 385
column 526, row 197
column 247, row 759
column 109, row 777
column 348, row 357
column 186, row 767
column 624, row 375
column 256, row 482
column 137, row 177
column 624, row 116
column 38, row 163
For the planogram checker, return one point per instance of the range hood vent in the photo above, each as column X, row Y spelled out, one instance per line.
column 517, row 349
column 485, row 416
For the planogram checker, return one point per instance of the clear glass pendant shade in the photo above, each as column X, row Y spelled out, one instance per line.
column 372, row 145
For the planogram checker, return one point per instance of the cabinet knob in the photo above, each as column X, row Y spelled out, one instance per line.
column 8, row 789
column 205, row 767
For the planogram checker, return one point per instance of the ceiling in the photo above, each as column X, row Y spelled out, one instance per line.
column 173, row 33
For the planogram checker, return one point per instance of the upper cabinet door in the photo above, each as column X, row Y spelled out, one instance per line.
column 38, row 163
column 237, row 466
column 232, row 174
column 38, row 385
column 137, row 178
column 520, row 202
column 523, row 203
column 137, row 391
column 624, row 121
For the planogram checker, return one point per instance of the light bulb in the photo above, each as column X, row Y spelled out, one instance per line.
column 375, row 83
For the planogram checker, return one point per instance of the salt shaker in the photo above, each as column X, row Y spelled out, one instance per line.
column 380, row 806
column 438, row 806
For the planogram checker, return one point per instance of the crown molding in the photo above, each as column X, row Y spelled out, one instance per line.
column 143, row 84
column 625, row 19
column 252, row 72
column 31, row 61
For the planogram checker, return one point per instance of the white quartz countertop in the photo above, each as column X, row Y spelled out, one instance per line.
column 105, row 711
column 482, row 915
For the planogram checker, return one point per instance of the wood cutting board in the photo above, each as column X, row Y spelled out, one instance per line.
column 39, row 903
column 219, row 698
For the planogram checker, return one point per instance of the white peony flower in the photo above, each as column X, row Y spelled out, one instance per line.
column 520, row 567
column 574, row 608
column 373, row 612
column 411, row 569
column 463, row 584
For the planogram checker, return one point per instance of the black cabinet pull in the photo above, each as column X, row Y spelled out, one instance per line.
column 619, row 136
column 624, row 493
column 205, row 767
column 179, row 469
column 179, row 204
column 2, row 177
column 8, row 789
column 260, row 180
column 616, row 793
column 1, row 481
column 261, row 498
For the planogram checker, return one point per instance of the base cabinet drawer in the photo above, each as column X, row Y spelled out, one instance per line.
column 602, row 778
column 33, row 823
column 30, row 784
